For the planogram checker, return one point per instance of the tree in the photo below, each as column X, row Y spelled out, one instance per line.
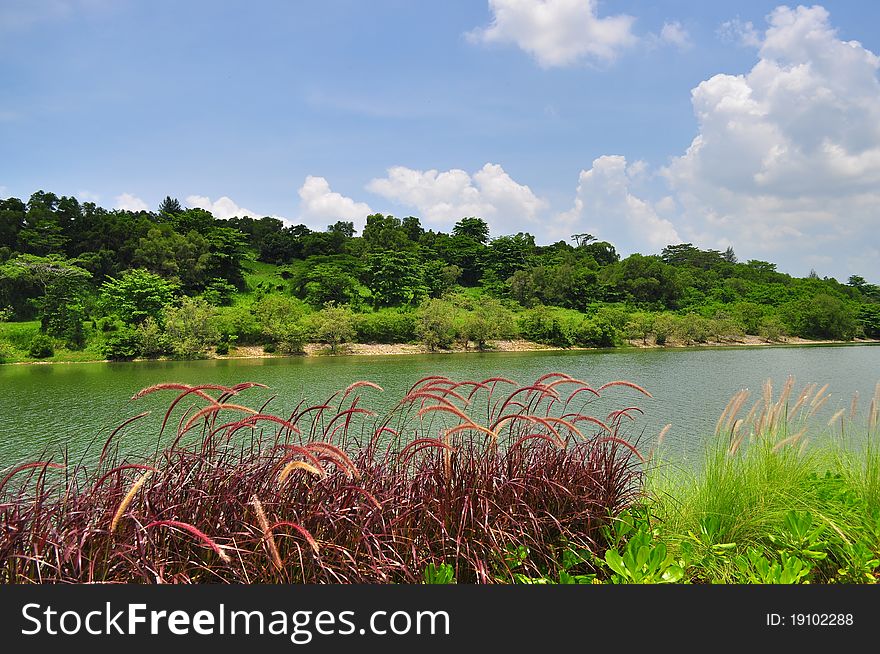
column 329, row 283
column 435, row 325
column 136, row 295
column 344, row 228
column 190, row 328
column 182, row 259
column 395, row 278
column 475, row 229
column 729, row 255
column 333, row 325
column 63, row 285
column 507, row 254
column 280, row 318
column 170, row 207
column 385, row 233
column 821, row 316
column 583, row 239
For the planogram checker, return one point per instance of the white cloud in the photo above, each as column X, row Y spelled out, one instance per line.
column 787, row 159
column 605, row 207
column 557, row 32
column 319, row 206
column 129, row 202
column 88, row 196
column 742, row 33
column 674, row 34
column 443, row 198
column 223, row 208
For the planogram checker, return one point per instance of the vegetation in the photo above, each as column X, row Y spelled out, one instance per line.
column 92, row 277
column 522, row 485
column 331, row 493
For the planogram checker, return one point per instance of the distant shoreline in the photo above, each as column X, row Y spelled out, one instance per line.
column 396, row 349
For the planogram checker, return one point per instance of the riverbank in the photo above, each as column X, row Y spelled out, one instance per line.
column 395, row 349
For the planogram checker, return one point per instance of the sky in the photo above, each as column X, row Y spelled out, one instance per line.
column 747, row 124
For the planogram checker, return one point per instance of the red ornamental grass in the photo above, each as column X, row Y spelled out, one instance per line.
column 435, row 486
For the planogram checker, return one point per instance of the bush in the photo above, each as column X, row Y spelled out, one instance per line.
column 6, row 352
column 594, row 333
column 771, row 328
column 436, row 324
column 280, row 318
column 41, row 347
column 693, row 328
column 665, row 325
column 190, row 328
column 542, row 325
column 239, row 322
column 332, row 325
column 122, row 345
column 152, row 343
column 385, row 326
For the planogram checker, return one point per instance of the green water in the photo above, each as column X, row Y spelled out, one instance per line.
column 47, row 408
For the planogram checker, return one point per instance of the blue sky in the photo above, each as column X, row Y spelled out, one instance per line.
column 747, row 124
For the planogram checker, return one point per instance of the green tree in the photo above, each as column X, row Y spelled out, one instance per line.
column 475, row 229
column 182, row 259
column 385, row 233
column 190, row 328
column 136, row 295
column 821, row 316
column 333, row 325
column 63, row 287
column 395, row 278
column 280, row 318
column 170, row 207
column 329, row 283
column 435, row 324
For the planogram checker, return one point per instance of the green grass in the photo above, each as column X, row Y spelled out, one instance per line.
column 773, row 499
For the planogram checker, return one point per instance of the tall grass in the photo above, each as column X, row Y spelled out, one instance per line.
column 458, row 473
column 760, row 472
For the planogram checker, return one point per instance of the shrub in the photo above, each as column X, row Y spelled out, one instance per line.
column 543, row 325
column 121, row 345
column 665, row 325
column 189, row 328
column 41, row 347
column 436, row 323
column 152, row 343
column 771, row 328
column 280, row 318
column 385, row 326
column 594, row 333
column 239, row 322
column 6, row 352
column 332, row 325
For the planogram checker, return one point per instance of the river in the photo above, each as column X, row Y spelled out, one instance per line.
column 46, row 408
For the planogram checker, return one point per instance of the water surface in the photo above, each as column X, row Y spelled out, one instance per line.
column 45, row 408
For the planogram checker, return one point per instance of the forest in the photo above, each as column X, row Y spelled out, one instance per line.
column 78, row 281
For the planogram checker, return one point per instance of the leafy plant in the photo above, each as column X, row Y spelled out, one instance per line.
column 757, row 568
column 439, row 574
column 41, row 347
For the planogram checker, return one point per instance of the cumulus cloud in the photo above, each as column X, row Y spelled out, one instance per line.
column 557, row 32
column 787, row 158
column 129, row 202
column 319, row 206
column 605, row 206
column 443, row 198
column 223, row 208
